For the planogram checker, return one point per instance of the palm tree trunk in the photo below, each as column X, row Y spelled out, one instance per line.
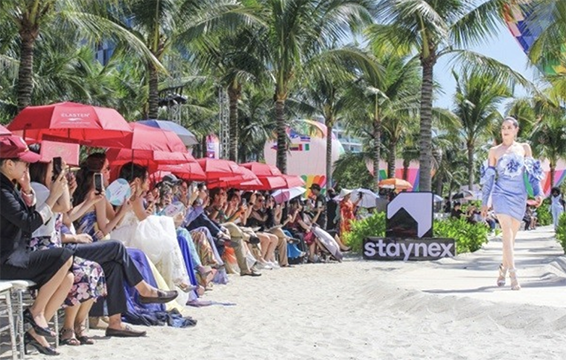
column 406, row 164
column 376, row 148
column 391, row 160
column 25, row 71
column 425, row 141
column 234, row 93
column 439, row 185
column 281, row 130
column 203, row 147
column 470, row 166
column 329, row 126
column 552, row 171
column 153, row 96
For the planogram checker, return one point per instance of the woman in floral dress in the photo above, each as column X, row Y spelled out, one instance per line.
column 89, row 283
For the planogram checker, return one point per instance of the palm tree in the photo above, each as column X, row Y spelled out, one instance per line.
column 475, row 105
column 296, row 31
column 89, row 18
column 386, row 98
column 235, row 59
column 549, row 140
column 163, row 24
column 432, row 29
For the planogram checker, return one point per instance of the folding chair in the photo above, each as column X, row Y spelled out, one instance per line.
column 5, row 297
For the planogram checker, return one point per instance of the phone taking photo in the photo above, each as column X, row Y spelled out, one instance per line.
column 57, row 167
column 98, row 186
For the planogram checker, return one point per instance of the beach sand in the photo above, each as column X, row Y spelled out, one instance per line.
column 446, row 309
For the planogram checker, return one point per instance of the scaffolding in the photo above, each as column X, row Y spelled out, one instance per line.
column 224, row 119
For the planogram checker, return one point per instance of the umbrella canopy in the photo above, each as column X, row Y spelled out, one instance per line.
column 394, row 183
column 149, row 158
column 287, row 194
column 245, row 178
column 438, row 198
column 369, row 198
column 143, row 137
column 465, row 194
column 4, row 131
column 262, row 170
column 70, row 122
column 217, row 168
column 187, row 137
column 187, row 171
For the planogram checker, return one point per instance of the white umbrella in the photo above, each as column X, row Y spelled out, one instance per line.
column 287, row 194
column 369, row 199
column 438, row 198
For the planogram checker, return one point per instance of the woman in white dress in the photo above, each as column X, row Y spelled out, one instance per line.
column 154, row 235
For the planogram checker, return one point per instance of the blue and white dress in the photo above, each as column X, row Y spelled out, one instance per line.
column 505, row 183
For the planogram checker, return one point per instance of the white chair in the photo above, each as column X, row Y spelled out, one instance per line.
column 5, row 297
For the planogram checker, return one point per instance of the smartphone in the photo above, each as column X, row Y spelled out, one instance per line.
column 57, row 167
column 98, row 187
column 244, row 202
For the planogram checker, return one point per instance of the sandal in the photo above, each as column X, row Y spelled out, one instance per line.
column 71, row 341
column 501, row 277
column 83, row 339
column 514, row 281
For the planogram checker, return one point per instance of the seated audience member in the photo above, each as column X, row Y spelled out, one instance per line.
column 457, row 210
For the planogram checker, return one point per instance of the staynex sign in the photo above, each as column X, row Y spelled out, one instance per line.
column 408, row 249
column 409, row 229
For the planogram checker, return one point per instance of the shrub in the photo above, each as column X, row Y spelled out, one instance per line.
column 373, row 225
column 544, row 216
column 469, row 237
column 561, row 231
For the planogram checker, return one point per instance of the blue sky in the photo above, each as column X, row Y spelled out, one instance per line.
column 503, row 47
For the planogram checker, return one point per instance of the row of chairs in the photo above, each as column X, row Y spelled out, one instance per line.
column 15, row 295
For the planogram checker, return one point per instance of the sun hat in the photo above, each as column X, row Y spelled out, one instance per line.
column 344, row 192
column 14, row 147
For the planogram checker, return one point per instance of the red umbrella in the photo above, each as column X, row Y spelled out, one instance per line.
column 262, row 170
column 188, row 171
column 143, row 137
column 4, row 131
column 292, row 181
column 69, row 122
column 150, row 158
column 216, row 169
column 245, row 177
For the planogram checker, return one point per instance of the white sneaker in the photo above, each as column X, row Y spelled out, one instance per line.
column 263, row 266
column 274, row 265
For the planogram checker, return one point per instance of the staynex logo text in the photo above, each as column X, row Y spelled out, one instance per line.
column 408, row 249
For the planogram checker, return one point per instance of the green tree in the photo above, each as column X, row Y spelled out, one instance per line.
column 476, row 100
column 432, row 29
column 295, row 32
column 30, row 17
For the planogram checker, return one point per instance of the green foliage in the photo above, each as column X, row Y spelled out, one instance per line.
column 561, row 231
column 350, row 171
column 469, row 237
column 373, row 225
column 544, row 216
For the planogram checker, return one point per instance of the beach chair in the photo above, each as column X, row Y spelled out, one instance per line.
column 6, row 300
column 21, row 294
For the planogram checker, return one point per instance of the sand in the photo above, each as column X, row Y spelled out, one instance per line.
column 446, row 309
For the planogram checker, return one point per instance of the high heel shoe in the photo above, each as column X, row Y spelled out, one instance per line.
column 501, row 277
column 45, row 350
column 39, row 330
column 514, row 281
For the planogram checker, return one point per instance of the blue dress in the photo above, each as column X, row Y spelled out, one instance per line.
column 506, row 185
